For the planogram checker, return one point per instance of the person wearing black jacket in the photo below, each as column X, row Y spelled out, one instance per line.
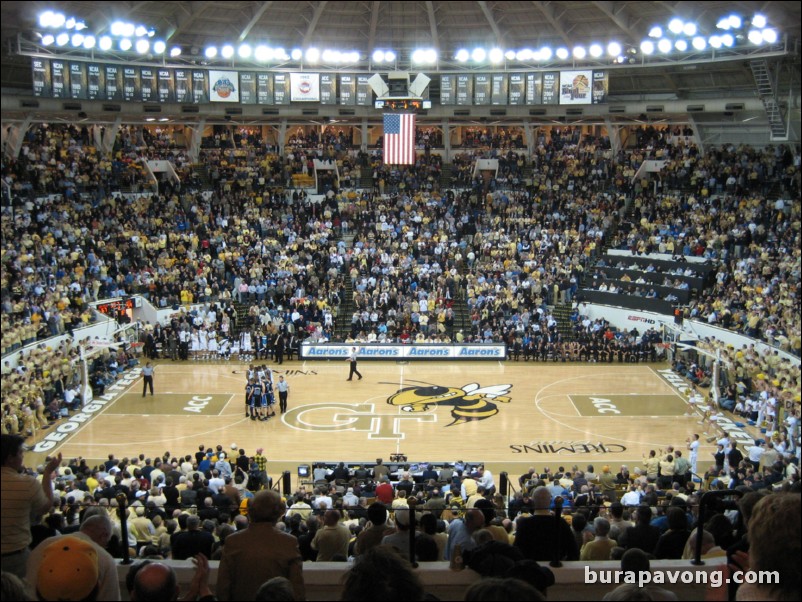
column 643, row 535
column 191, row 542
column 537, row 535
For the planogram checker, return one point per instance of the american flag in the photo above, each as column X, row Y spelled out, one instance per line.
column 399, row 139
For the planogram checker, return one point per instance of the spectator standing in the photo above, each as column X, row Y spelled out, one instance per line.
column 260, row 552
column 22, row 497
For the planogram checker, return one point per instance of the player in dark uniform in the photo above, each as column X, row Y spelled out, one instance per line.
column 248, row 396
column 257, row 392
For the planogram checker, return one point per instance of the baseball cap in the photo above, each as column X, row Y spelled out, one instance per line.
column 69, row 570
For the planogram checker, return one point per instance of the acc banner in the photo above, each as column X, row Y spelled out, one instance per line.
column 223, row 86
column 304, row 87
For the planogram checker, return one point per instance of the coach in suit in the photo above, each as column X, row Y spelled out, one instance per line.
column 260, row 552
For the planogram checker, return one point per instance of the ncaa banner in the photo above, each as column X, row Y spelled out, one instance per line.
column 304, row 87
column 223, row 86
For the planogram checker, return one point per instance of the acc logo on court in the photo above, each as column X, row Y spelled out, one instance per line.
column 470, row 402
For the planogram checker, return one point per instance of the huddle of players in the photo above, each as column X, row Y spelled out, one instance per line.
column 259, row 398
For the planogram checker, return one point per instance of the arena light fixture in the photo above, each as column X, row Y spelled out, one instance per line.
column 647, row 47
column 546, row 53
column 596, row 50
column 62, row 39
column 699, row 43
column 689, row 29
column 769, row 36
column 580, row 52
column 664, row 45
column 510, row 55
column 57, row 20
column 478, row 55
column 675, row 26
column 141, row 31
column 48, row 39
column 728, row 40
column 77, row 39
column 104, row 43
column 210, row 52
column 614, row 49
column 424, row 56
column 715, row 41
column 312, row 55
column 263, row 53
column 159, row 46
column 562, row 53
column 227, row 51
column 681, row 44
column 296, row 54
column 281, row 54
column 142, row 46
column 245, row 51
column 378, row 56
column 129, row 30
column 735, row 22
column 330, row 56
column 496, row 55
column 656, row 32
column 389, row 56
column 175, row 51
column 462, row 55
column 45, row 18
column 70, row 23
column 755, row 37
column 759, row 21
column 125, row 44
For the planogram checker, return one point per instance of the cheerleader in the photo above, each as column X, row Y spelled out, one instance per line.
column 224, row 350
column 194, row 344
column 245, row 347
column 213, row 347
column 203, row 343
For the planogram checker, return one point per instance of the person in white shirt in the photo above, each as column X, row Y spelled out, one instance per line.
column 632, row 497
column 693, row 446
column 485, row 479
column 755, row 452
column 322, row 497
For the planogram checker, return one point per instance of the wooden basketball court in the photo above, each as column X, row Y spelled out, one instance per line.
column 511, row 415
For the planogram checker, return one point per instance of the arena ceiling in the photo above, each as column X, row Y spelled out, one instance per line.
column 446, row 26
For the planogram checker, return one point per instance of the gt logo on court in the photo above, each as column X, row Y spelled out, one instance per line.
column 467, row 403
column 350, row 417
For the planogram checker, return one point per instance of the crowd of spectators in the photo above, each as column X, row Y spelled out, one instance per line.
column 505, row 254
column 755, row 243
column 182, row 506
